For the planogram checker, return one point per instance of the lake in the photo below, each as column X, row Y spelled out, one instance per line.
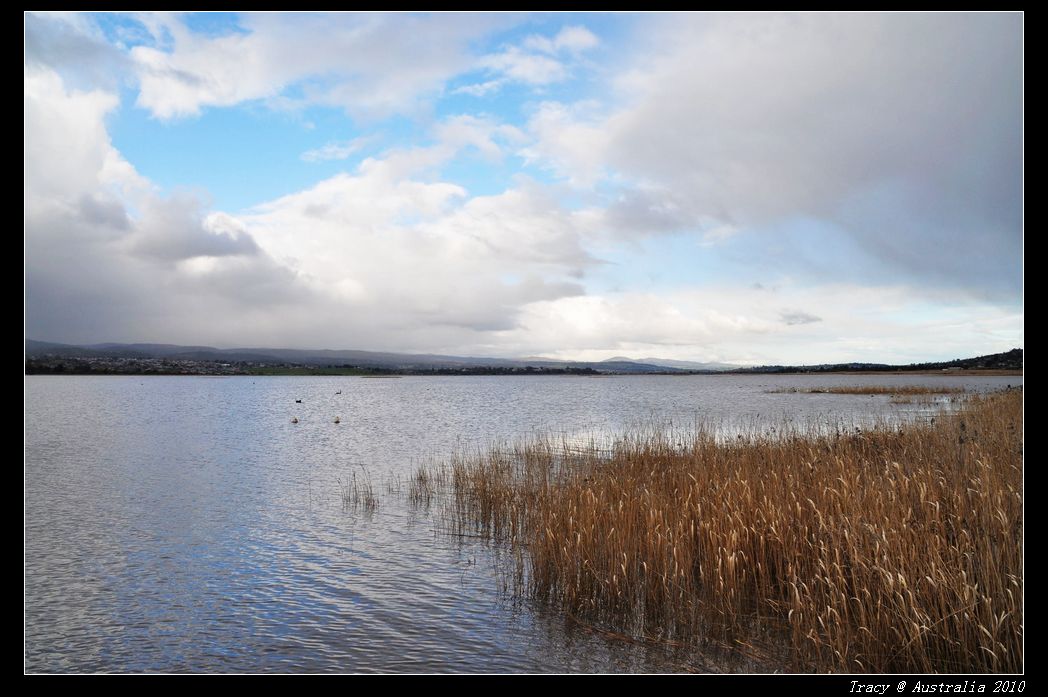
column 186, row 524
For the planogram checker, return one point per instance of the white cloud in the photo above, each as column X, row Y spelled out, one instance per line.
column 379, row 259
column 371, row 65
column 537, row 61
column 479, row 89
column 421, row 252
column 489, row 137
column 571, row 141
column 718, row 233
column 572, row 39
column 335, row 150
column 529, row 68
column 840, row 323
column 903, row 136
column 53, row 169
column 385, row 257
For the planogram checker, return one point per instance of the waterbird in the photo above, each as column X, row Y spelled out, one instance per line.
column 339, row 392
column 338, row 420
column 298, row 401
column 294, row 419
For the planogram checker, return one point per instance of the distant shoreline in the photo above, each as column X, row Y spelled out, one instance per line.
column 322, row 372
column 147, row 359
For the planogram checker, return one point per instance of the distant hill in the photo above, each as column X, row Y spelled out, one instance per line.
column 101, row 358
column 1009, row 360
column 373, row 360
column 670, row 363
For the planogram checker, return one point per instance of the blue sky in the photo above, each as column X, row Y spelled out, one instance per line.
column 734, row 188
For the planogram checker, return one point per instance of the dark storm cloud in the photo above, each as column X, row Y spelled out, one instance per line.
column 173, row 229
column 794, row 317
column 105, row 211
column 902, row 130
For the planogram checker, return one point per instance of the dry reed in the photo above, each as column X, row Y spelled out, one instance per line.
column 896, row 549
column 358, row 492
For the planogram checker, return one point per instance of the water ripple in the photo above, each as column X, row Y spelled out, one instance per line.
column 186, row 525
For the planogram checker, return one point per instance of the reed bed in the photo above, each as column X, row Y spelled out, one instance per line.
column 873, row 389
column 896, row 549
column 358, row 492
column 422, row 486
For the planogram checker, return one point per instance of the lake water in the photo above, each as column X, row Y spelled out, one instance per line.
column 185, row 524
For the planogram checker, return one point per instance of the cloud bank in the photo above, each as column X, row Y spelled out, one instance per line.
column 759, row 188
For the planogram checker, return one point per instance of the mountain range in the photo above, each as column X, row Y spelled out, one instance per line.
column 348, row 357
column 377, row 360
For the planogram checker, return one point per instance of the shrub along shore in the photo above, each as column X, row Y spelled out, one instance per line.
column 897, row 549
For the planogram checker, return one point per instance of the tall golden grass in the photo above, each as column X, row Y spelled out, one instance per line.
column 896, row 549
